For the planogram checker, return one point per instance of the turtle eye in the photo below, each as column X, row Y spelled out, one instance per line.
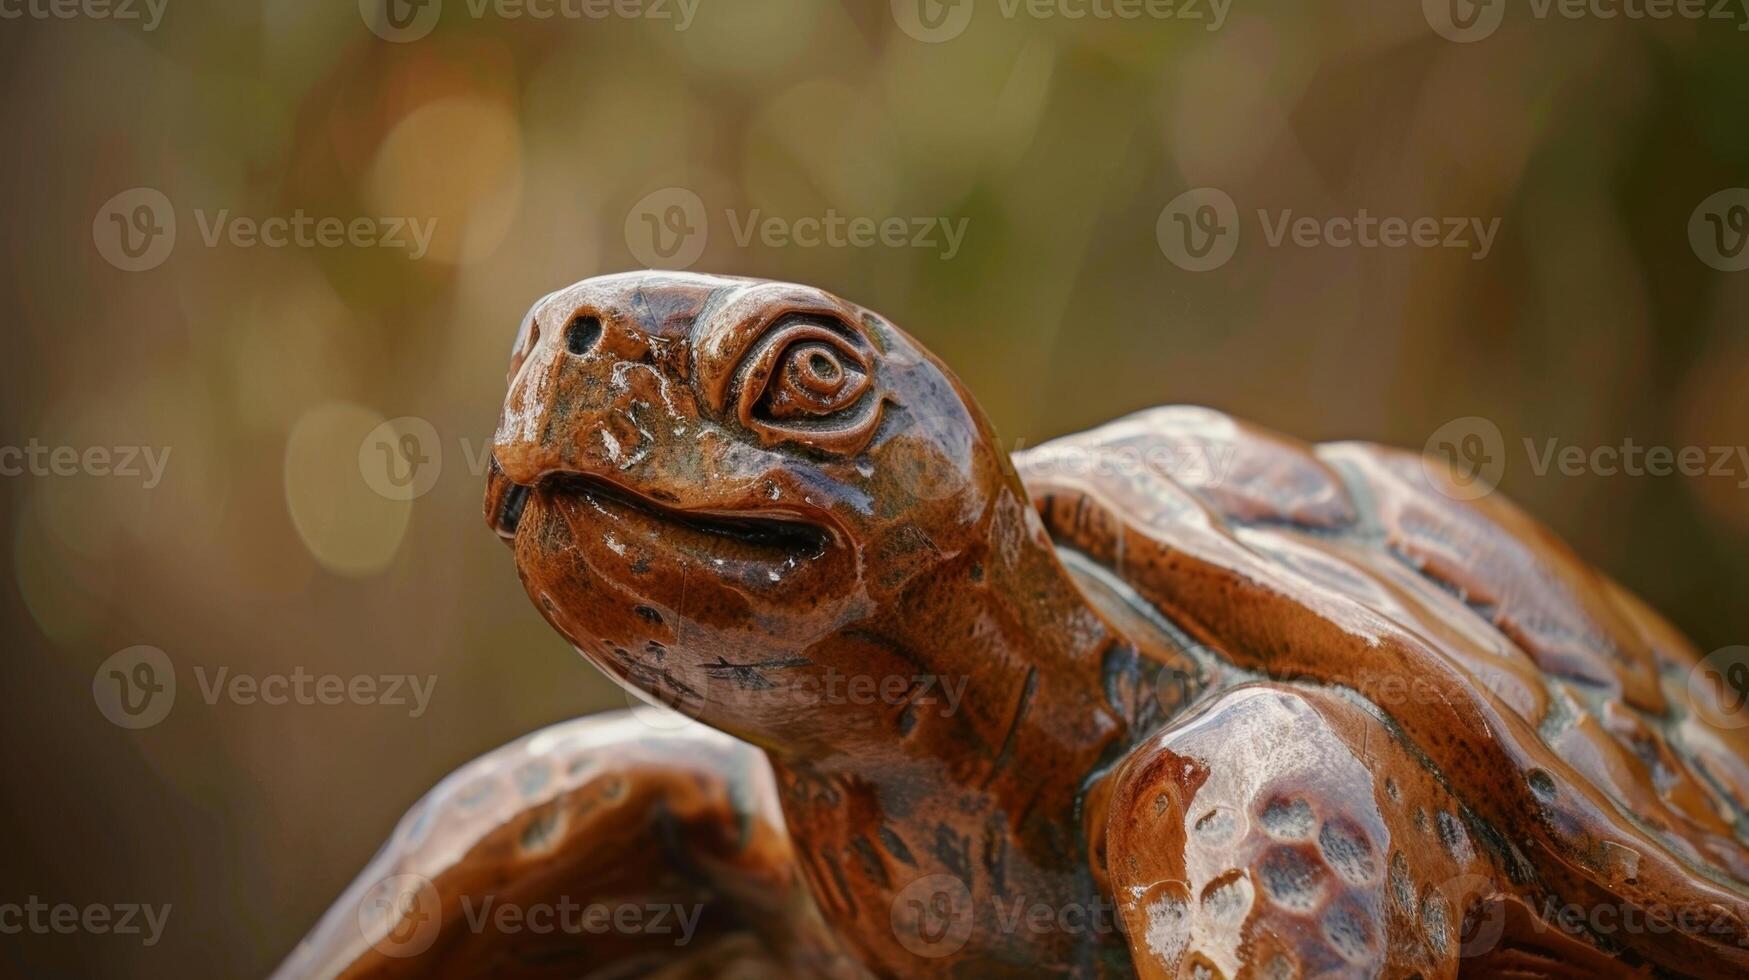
column 808, row 381
column 813, row 378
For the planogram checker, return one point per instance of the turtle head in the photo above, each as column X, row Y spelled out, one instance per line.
column 721, row 491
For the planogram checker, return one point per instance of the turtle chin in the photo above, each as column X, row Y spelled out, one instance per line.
column 692, row 607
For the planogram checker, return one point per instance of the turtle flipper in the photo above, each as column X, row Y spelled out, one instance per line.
column 1288, row 832
column 594, row 846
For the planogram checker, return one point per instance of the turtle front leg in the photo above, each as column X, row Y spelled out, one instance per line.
column 599, row 847
column 1285, row 832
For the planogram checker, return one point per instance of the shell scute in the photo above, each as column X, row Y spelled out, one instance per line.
column 1505, row 660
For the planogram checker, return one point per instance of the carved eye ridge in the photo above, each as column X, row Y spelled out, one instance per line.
column 804, row 381
column 812, row 380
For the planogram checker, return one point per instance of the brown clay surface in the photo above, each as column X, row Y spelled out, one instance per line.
column 493, row 873
column 1291, row 711
column 1554, row 707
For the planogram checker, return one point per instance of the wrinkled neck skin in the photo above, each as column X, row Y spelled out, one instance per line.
column 944, row 830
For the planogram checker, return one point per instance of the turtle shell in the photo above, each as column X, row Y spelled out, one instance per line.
column 1556, row 707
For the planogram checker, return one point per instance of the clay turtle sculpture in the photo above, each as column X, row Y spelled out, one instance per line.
column 1173, row 697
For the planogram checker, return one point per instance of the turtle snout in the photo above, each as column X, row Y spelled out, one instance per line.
column 600, row 419
column 593, row 398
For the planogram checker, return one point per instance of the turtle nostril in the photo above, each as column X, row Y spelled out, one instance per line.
column 584, row 332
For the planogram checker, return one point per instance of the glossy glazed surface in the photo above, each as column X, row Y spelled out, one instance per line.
column 855, row 583
column 495, row 872
column 1288, row 711
column 1556, row 708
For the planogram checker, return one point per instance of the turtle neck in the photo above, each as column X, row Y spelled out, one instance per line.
column 964, row 815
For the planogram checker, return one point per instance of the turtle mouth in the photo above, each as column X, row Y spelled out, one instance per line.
column 780, row 536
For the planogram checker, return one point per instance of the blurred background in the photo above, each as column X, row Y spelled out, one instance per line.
column 155, row 311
